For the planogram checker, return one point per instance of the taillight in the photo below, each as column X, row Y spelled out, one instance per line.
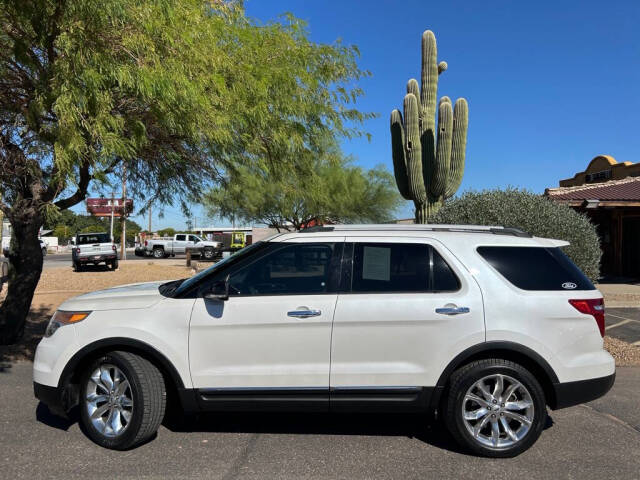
column 78, row 250
column 592, row 306
column 113, row 247
column 146, row 243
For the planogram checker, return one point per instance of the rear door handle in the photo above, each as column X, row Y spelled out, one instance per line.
column 452, row 310
column 304, row 313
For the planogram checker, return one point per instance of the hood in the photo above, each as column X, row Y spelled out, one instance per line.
column 135, row 295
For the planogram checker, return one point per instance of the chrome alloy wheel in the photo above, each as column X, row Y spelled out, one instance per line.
column 497, row 411
column 109, row 400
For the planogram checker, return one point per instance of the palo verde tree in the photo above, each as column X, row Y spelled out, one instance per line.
column 330, row 190
column 176, row 91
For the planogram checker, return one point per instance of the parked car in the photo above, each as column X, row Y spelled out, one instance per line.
column 43, row 249
column 161, row 248
column 485, row 326
column 93, row 248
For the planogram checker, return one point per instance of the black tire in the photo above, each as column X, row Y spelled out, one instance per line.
column 209, row 253
column 158, row 253
column 44, row 252
column 464, row 378
column 149, row 400
column 114, row 264
column 77, row 267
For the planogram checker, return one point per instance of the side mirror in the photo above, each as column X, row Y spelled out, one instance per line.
column 219, row 291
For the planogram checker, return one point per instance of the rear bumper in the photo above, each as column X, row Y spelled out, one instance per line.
column 569, row 394
column 96, row 258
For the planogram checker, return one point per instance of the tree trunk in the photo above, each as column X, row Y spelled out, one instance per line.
column 25, row 267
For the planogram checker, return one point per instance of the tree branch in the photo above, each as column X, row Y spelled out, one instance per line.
column 81, row 192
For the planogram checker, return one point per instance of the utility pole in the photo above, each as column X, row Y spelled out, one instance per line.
column 123, row 236
column 112, row 209
column 149, row 219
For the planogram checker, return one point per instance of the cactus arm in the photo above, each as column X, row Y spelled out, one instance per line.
column 397, row 151
column 412, row 87
column 459, row 146
column 413, row 151
column 440, row 169
column 442, row 67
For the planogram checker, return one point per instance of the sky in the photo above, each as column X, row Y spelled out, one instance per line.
column 550, row 84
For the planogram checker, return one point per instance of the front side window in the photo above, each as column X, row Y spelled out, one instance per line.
column 193, row 238
column 400, row 267
column 287, row 269
column 536, row 268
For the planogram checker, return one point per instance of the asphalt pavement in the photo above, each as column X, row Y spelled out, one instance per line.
column 54, row 260
column 623, row 324
column 597, row 441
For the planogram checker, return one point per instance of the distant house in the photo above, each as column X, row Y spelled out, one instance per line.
column 609, row 193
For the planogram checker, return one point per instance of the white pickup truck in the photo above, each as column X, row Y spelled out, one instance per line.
column 161, row 248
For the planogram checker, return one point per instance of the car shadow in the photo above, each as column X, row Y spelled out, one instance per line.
column 415, row 426
column 95, row 268
column 44, row 415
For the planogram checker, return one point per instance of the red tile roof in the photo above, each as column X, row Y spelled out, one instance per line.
column 625, row 189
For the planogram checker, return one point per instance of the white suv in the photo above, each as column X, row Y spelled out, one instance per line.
column 484, row 325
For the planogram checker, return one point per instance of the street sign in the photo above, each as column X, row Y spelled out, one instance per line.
column 102, row 207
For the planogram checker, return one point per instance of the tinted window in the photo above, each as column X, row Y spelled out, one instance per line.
column 390, row 267
column 287, row 269
column 193, row 238
column 536, row 268
column 444, row 280
column 181, row 238
column 93, row 238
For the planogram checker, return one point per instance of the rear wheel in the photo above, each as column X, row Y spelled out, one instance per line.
column 123, row 400
column 77, row 267
column 158, row 253
column 114, row 264
column 495, row 407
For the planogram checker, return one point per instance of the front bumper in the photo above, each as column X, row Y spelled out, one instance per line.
column 569, row 394
column 58, row 400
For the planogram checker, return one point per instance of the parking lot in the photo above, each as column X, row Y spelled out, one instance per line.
column 597, row 441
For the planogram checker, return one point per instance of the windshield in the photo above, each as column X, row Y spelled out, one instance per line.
column 93, row 238
column 188, row 283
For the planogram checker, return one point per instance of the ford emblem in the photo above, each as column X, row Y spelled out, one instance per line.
column 569, row 285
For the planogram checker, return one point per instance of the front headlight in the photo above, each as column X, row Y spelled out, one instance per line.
column 61, row 318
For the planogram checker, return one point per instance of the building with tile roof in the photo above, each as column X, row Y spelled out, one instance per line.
column 608, row 192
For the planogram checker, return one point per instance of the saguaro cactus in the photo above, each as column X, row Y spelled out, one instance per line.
column 428, row 167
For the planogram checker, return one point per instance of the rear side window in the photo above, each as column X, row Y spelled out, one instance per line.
column 400, row 267
column 536, row 268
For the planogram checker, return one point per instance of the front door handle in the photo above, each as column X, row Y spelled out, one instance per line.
column 452, row 310
column 304, row 313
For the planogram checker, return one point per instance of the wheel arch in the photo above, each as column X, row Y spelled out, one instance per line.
column 515, row 352
column 69, row 379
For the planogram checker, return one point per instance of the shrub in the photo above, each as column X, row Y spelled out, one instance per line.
column 532, row 213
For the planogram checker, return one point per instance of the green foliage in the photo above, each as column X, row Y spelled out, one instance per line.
column 429, row 166
column 70, row 223
column 167, row 232
column 329, row 190
column 178, row 90
column 532, row 213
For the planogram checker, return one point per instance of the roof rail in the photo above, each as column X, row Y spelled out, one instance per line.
column 496, row 230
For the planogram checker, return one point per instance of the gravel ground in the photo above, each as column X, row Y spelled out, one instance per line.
column 58, row 284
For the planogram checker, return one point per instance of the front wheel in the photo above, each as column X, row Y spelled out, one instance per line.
column 495, row 407
column 123, row 400
column 209, row 253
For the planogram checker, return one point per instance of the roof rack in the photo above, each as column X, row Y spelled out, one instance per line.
column 496, row 230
